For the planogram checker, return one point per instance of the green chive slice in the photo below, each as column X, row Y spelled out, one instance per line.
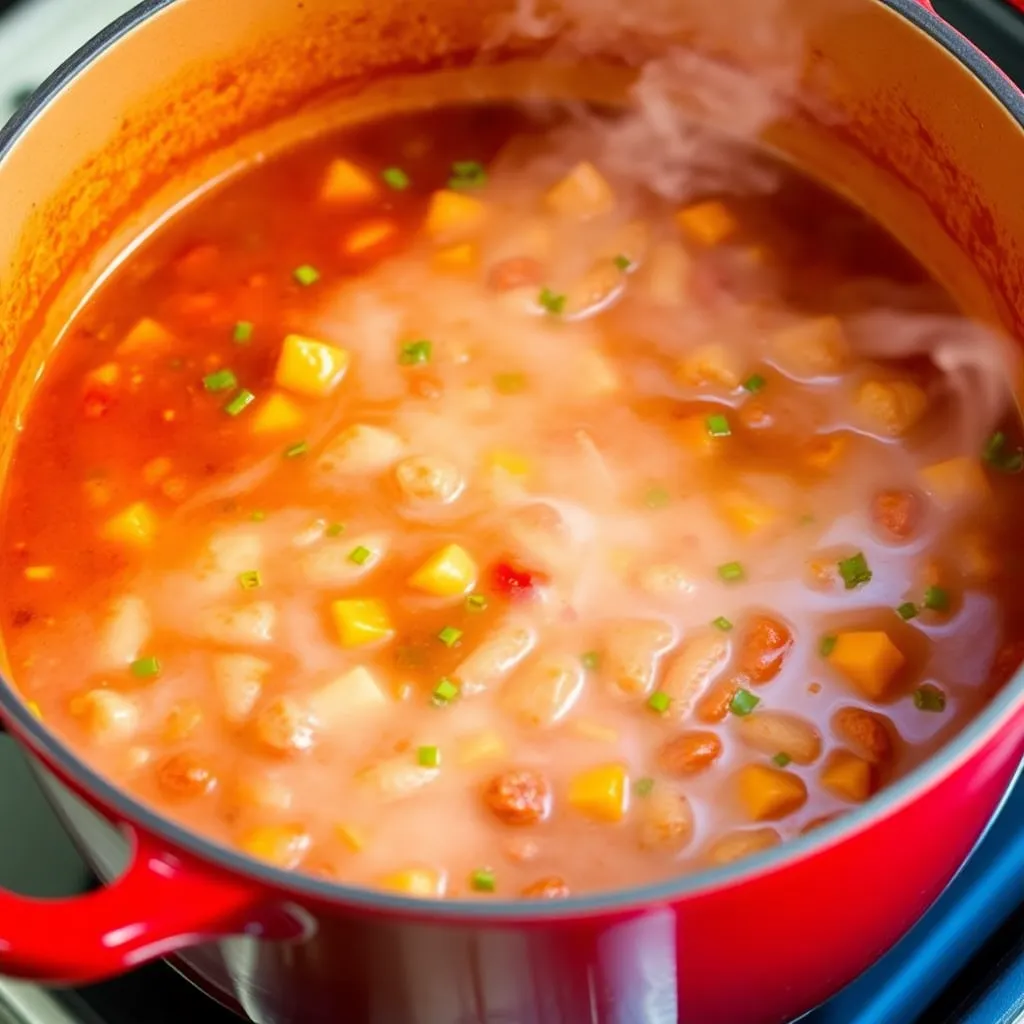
column 257, row 515
column 722, row 623
column 483, row 880
column 731, row 572
column 718, row 425
column 467, row 174
column 335, row 530
column 907, row 611
column 306, row 275
column 999, row 457
column 240, row 403
column 743, row 703
column 827, row 646
column 220, row 380
column 396, row 178
column 445, row 692
column 929, row 698
column 242, row 334
column 623, row 262
column 782, row 759
column 591, row 661
column 754, row 383
column 476, row 602
column 415, row 353
column 428, row 757
column 659, row 702
column 146, row 668
column 936, row 599
column 450, row 636
column 643, row 787
column 657, row 497
column 360, row 555
column 250, row 580
column 855, row 571
column 293, row 451
column 552, row 302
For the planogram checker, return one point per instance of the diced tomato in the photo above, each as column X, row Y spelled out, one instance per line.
column 513, row 583
column 97, row 402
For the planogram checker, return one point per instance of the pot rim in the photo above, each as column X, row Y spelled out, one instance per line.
column 125, row 808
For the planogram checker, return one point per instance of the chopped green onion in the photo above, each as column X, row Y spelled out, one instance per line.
column 782, row 759
column 415, row 353
column 360, row 555
column 396, row 178
column 483, row 880
column 257, row 515
column 335, row 530
column 591, row 661
column 907, row 611
column 467, row 174
column 936, row 599
column 827, row 646
column 146, row 668
column 623, row 262
column 220, row 380
column 718, row 425
column 722, row 623
column 242, row 333
column 659, row 702
column 445, row 692
column 805, row 520
column 250, row 580
column 476, row 602
column 428, row 757
column 996, row 455
column 731, row 572
column 509, row 383
column 642, row 787
column 929, row 698
column 295, row 450
column 657, row 497
column 240, row 402
column 855, row 571
column 743, row 703
column 306, row 275
column 754, row 383
column 450, row 636
column 553, row 302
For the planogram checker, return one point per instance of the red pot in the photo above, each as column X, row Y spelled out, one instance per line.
column 923, row 131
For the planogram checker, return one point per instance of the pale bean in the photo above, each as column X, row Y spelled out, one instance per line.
column 866, row 733
column 543, row 693
column 665, row 819
column 776, row 732
column 285, row 726
column 694, row 669
column 494, row 659
column 632, row 655
column 360, row 450
column 238, row 679
column 428, row 479
column 737, row 845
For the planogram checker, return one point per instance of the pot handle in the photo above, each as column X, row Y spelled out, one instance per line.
column 160, row 904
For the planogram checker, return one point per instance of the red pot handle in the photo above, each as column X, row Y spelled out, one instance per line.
column 158, row 905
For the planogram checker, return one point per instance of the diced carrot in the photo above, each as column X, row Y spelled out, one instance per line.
column 746, row 513
column 582, row 194
column 456, row 257
column 284, row 846
column 347, row 183
column 868, row 659
column 369, row 235
column 145, row 336
column 600, row 793
column 422, row 882
column 452, row 215
column 136, row 524
column 708, row 223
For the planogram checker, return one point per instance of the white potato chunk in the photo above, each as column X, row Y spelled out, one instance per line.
column 361, row 450
column 692, row 671
column 542, row 537
column 667, row 275
column 238, row 679
column 493, row 661
column 227, row 555
column 632, row 655
column 429, row 480
column 124, row 632
column 543, row 693
column 355, row 693
column 108, row 716
column 330, row 564
column 398, row 777
column 249, row 624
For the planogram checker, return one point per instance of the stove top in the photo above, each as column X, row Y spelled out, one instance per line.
column 962, row 964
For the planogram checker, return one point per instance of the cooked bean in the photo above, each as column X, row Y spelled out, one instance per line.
column 738, row 845
column 519, row 797
column 494, row 660
column 867, row 734
column 689, row 753
column 542, row 693
column 694, row 669
column 515, row 272
column 763, row 648
column 891, row 407
column 428, row 479
column 551, row 888
column 714, row 705
column 285, row 726
column 632, row 655
column 185, row 776
column 896, row 514
column 666, row 820
column 777, row 732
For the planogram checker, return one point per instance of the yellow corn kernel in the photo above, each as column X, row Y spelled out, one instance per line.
column 511, row 462
column 456, row 257
column 452, row 214
column 745, row 512
column 481, row 746
column 146, row 334
column 35, row 709
column 361, row 621
column 346, row 183
column 823, row 452
column 956, row 480
column 848, row 776
column 692, row 432
column 353, row 837
column 284, row 846
column 708, row 223
column 450, row 572
column 768, row 794
column 134, row 525
column 588, row 729
column 368, row 236
column 108, row 373
column 868, row 659
column 310, row 367
column 40, row 573
column 600, row 793
column 423, row 882
column 583, row 193
column 811, row 348
column 277, row 415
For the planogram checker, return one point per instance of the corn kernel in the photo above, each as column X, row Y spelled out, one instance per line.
column 134, row 525
column 423, row 882
column 352, row 837
column 310, row 367
column 450, row 572
column 452, row 214
column 276, row 415
column 284, row 846
column 346, row 183
column 600, row 793
column 456, row 257
column 708, row 223
column 40, row 573
column 514, row 463
column 361, row 621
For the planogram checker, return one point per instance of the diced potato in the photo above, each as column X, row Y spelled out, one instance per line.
column 239, row 627
column 481, row 746
column 692, row 434
column 544, row 692
column 848, row 776
column 361, row 621
column 511, row 462
column 666, row 820
column 600, row 793
column 632, row 655
column 824, row 452
column 109, row 717
column 456, row 257
column 745, row 512
column 365, row 237
column 397, row 777
column 422, row 882
column 867, row 734
column 713, row 363
column 285, row 726
column 768, row 794
column 454, row 215
column 429, row 479
column 330, row 564
column 595, row 375
column 890, row 407
column 813, row 348
column 346, row 183
column 582, row 194
column 136, row 525
column 228, row 554
column 146, row 336
column 361, row 449
column 39, row 573
column 738, row 845
column 956, row 480
column 353, row 694
column 868, row 659
column 352, row 837
column 124, row 632
column 777, row 732
column 493, row 660
column 238, row 679
column 284, row 846
column 450, row 572
column 310, row 367
column 277, row 415
column 667, row 275
column 694, row 669
column 708, row 223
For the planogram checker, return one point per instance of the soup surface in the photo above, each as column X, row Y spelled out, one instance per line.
column 428, row 509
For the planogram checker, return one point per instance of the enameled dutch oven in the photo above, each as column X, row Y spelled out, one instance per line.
column 895, row 110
